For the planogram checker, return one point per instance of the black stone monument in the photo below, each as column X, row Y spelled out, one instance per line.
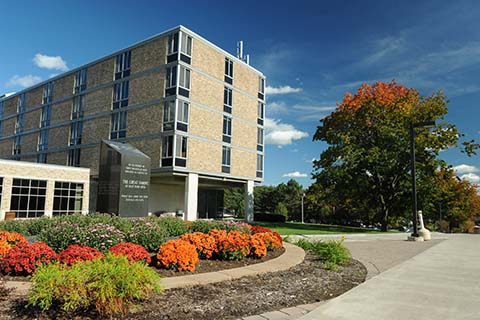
column 123, row 180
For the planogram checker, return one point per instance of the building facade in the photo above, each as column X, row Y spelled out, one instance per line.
column 194, row 109
column 32, row 190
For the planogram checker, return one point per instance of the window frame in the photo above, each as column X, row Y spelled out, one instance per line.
column 118, row 126
column 189, row 46
column 48, row 92
column 182, row 116
column 228, row 68
column 172, row 44
column 18, row 186
column 183, row 72
column 167, row 145
column 80, row 81
column 123, row 63
column 169, row 107
column 121, row 93
column 66, row 190
column 171, row 77
column 181, row 146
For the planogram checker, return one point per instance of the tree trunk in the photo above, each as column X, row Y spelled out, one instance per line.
column 385, row 221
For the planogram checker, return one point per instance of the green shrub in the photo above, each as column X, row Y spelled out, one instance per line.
column 35, row 226
column 205, row 226
column 60, row 234
column 333, row 253
column 19, row 226
column 174, row 227
column 113, row 285
column 147, row 234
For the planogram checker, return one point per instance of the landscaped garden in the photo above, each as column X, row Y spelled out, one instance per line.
column 92, row 265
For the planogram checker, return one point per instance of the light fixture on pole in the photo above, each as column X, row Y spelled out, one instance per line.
column 413, row 170
column 303, row 196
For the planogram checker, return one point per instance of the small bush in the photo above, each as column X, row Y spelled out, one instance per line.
column 258, row 248
column 113, row 285
column 75, row 253
column 60, row 234
column 178, row 255
column 272, row 241
column 100, row 236
column 235, row 246
column 174, row 227
column 134, row 252
column 231, row 225
column 333, row 253
column 260, row 229
column 24, row 258
column 19, row 226
column 35, row 226
column 205, row 226
column 204, row 243
column 147, row 234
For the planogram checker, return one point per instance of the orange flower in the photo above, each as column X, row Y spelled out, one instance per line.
column 4, row 248
column 12, row 238
column 204, row 243
column 272, row 242
column 177, row 254
column 258, row 248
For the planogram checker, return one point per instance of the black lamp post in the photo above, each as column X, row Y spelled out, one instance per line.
column 414, row 177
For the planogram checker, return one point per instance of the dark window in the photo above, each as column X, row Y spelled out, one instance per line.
column 171, row 77
column 172, row 43
column 74, row 157
column 119, row 125
column 259, row 162
column 227, row 98
column 181, row 147
column 226, row 155
column 168, row 115
column 182, row 114
column 261, row 110
column 48, row 93
column 228, row 68
column 167, row 147
column 227, row 128
column 68, row 198
column 184, row 77
column 186, row 44
column 46, row 116
column 80, row 82
column 120, row 94
column 260, row 136
column 78, row 107
column 1, row 189
column 28, row 198
column 76, row 131
column 122, row 65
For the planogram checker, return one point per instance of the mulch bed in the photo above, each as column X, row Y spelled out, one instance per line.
column 307, row 282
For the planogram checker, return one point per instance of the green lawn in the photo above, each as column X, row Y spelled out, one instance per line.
column 292, row 228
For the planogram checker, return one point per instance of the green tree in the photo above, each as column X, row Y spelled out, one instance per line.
column 281, row 209
column 234, row 201
column 367, row 162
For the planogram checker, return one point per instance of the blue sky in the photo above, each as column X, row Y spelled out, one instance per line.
column 312, row 52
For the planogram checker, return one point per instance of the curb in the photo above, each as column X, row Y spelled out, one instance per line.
column 292, row 256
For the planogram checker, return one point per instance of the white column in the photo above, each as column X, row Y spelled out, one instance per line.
column 49, row 198
column 6, row 196
column 191, row 196
column 249, row 201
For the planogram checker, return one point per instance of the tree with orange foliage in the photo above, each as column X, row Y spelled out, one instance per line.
column 367, row 163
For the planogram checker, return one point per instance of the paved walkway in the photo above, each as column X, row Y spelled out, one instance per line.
column 378, row 252
column 443, row 282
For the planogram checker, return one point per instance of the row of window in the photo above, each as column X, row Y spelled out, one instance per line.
column 29, row 196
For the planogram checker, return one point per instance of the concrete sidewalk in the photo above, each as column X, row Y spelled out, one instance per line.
column 443, row 282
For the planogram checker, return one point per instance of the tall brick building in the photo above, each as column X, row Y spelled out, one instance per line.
column 194, row 109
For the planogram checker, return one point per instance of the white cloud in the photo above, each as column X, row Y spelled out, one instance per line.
column 471, row 177
column 281, row 133
column 295, row 174
column 465, row 168
column 277, row 107
column 23, row 81
column 281, row 90
column 50, row 62
column 8, row 94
